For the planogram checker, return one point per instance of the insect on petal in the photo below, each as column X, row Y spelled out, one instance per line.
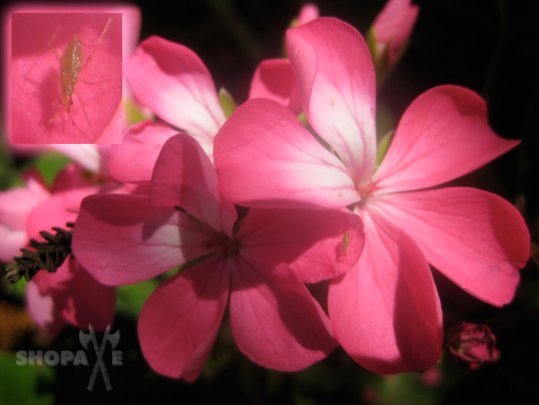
column 65, row 76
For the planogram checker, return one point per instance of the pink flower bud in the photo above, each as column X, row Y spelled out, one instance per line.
column 390, row 32
column 308, row 12
column 474, row 344
column 432, row 377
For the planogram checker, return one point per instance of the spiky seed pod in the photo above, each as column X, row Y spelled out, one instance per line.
column 47, row 255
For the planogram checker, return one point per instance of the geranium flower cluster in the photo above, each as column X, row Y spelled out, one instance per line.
column 241, row 212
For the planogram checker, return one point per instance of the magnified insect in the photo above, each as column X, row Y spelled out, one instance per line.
column 65, row 77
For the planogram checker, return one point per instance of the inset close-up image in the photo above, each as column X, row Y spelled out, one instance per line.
column 65, row 77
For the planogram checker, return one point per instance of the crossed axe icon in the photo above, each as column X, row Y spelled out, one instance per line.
column 85, row 339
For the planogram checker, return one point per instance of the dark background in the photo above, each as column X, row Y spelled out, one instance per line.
column 489, row 46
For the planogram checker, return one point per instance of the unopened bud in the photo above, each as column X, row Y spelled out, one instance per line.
column 474, row 344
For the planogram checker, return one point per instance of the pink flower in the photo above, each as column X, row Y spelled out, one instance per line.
column 255, row 264
column 385, row 312
column 70, row 295
column 172, row 81
column 390, row 32
column 474, row 344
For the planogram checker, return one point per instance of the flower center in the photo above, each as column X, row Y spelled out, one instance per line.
column 366, row 190
column 230, row 246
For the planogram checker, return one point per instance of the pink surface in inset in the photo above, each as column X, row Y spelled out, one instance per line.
column 39, row 40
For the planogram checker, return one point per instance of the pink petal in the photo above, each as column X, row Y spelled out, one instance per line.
column 38, row 115
column 184, row 176
column 442, row 135
column 42, row 310
column 393, row 27
column 179, row 322
column 88, row 302
column 173, row 82
column 34, row 181
column 12, row 242
column 275, row 321
column 74, row 177
column 274, row 80
column 57, row 210
column 133, row 160
column 131, row 21
column 265, row 158
column 318, row 244
column 338, row 88
column 77, row 298
column 112, row 134
column 385, row 312
column 15, row 207
column 122, row 239
column 475, row 238
column 53, row 283
column 87, row 156
column 17, row 203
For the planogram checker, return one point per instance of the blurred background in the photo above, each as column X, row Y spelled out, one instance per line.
column 489, row 46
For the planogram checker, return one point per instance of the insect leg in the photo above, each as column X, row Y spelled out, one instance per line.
column 98, row 42
column 49, row 44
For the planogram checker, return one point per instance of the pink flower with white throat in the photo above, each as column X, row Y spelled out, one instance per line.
column 255, row 265
column 386, row 311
